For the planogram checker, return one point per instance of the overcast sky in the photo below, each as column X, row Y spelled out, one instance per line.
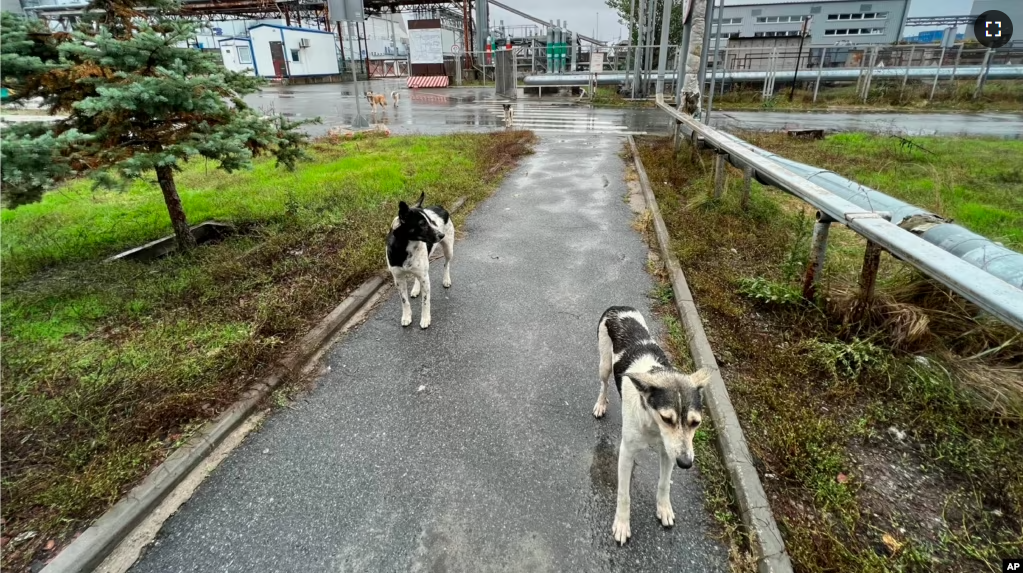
column 586, row 16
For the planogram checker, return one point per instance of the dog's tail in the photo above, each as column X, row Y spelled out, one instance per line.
column 701, row 377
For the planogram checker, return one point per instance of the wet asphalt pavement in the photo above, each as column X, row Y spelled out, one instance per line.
column 475, row 109
column 469, row 446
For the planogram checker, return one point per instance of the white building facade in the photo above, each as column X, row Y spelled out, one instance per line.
column 835, row 22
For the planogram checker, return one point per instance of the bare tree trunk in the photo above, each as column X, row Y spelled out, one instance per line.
column 692, row 86
column 165, row 175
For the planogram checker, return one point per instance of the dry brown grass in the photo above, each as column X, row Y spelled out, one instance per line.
column 817, row 395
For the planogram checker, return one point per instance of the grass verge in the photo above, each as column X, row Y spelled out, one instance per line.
column 108, row 367
column 977, row 182
column 880, row 443
column 605, row 96
column 998, row 95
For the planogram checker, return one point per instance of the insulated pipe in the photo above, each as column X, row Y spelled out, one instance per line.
column 702, row 73
column 638, row 63
column 662, row 60
column 836, row 74
column 575, row 52
column 975, row 249
column 629, row 46
column 563, row 48
column 687, row 35
column 648, row 57
column 550, row 50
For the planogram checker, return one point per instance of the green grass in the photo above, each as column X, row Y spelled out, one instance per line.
column 976, row 182
column 107, row 367
column 817, row 396
column 998, row 95
column 609, row 97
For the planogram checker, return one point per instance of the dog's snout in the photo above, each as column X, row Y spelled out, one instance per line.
column 684, row 462
column 440, row 236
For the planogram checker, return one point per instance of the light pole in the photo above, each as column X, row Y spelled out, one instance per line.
column 799, row 55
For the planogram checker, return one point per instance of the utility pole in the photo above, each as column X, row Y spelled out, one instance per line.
column 799, row 55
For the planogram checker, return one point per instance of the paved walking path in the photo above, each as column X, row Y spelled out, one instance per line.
column 498, row 464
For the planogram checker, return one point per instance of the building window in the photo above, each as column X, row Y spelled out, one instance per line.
column 780, row 19
column 860, row 16
column 294, row 55
column 244, row 55
column 855, row 32
column 731, row 21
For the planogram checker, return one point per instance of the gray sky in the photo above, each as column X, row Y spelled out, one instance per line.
column 584, row 16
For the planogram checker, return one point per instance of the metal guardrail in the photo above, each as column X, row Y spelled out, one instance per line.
column 981, row 288
column 833, row 74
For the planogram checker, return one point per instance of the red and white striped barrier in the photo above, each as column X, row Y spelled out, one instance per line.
column 427, row 82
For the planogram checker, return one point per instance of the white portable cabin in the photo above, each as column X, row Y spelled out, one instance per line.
column 238, row 55
column 283, row 51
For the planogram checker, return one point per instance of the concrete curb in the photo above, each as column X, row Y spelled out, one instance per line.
column 94, row 544
column 765, row 538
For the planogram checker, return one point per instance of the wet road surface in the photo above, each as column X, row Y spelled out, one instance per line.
column 469, row 446
column 476, row 109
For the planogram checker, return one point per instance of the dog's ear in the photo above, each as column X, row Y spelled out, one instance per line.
column 421, row 197
column 700, row 378
column 402, row 210
column 643, row 381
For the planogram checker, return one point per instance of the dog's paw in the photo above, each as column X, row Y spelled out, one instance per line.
column 666, row 514
column 621, row 530
column 424, row 322
column 599, row 408
column 447, row 283
column 406, row 319
column 415, row 290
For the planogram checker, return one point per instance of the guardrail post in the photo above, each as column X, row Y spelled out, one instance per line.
column 868, row 278
column 937, row 72
column 984, row 67
column 870, row 75
column 905, row 76
column 818, row 252
column 820, row 69
column 955, row 68
column 720, row 174
column 747, row 186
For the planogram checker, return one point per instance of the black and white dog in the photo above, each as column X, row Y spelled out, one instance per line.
column 661, row 407
column 509, row 113
column 414, row 234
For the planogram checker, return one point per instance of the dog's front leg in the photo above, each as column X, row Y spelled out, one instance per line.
column 406, row 306
column 424, row 320
column 448, row 245
column 664, row 511
column 626, row 459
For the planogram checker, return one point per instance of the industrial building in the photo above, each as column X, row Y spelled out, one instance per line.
column 835, row 22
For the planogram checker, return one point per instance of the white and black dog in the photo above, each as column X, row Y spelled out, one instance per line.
column 509, row 113
column 394, row 97
column 414, row 234
column 661, row 407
